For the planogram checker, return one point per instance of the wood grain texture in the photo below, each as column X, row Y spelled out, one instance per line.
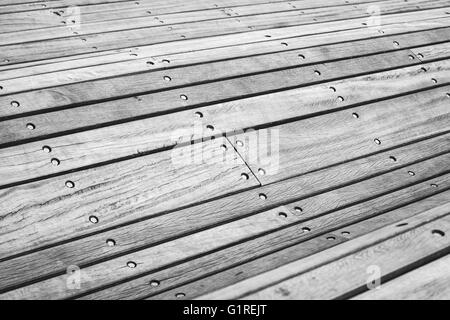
column 214, row 263
column 142, row 83
column 342, row 135
column 248, row 65
column 244, row 112
column 90, row 66
column 383, row 228
column 429, row 282
column 353, row 273
column 39, row 50
column 117, row 193
column 189, row 220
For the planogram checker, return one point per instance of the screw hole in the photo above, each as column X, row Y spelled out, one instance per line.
column 411, row 173
column 210, row 127
column 438, row 233
column 262, row 196
column 306, row 229
column 282, row 214
column 261, row 171
column 167, row 78
column 154, row 283
column 131, row 264
column 70, row 184
column 345, row 233
column 396, row 43
column 301, row 56
column 355, row 115
column 317, row 72
column 151, row 63
column 377, row 141
column 393, row 158
column 224, row 147
column 55, row 162
column 411, row 57
column 240, row 143
column 180, row 295
column 46, row 149
column 111, row 242
column 434, row 185
column 434, row 80
column 31, row 126
column 183, row 97
column 341, row 99
column 420, row 55
column 331, row 238
column 284, row 44
column 93, row 219
column 402, row 224
column 166, row 61
column 424, row 69
column 333, row 89
column 15, row 104
column 298, row 209
column 244, row 176
column 199, row 114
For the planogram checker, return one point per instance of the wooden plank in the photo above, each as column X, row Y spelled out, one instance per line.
column 256, row 248
column 105, row 144
column 158, row 7
column 383, row 85
column 118, row 193
column 164, row 254
column 230, row 47
column 159, row 256
column 279, row 283
column 437, row 51
column 341, row 135
column 429, row 282
column 140, row 84
column 232, row 282
column 350, row 274
column 260, row 63
column 122, row 18
column 46, row 49
column 192, row 219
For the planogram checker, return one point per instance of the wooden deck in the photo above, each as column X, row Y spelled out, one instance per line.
column 224, row 149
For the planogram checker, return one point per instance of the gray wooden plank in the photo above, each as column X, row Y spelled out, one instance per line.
column 227, row 284
column 164, row 227
column 177, row 250
column 351, row 273
column 429, row 282
column 118, row 193
column 341, row 135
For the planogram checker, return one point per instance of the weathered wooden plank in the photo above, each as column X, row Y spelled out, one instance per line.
column 256, row 248
column 157, row 7
column 313, row 99
column 260, row 63
column 46, row 49
column 118, row 193
column 353, row 273
column 189, row 220
column 437, row 51
column 160, row 255
column 429, row 282
column 171, row 279
column 132, row 85
column 105, row 144
column 229, row 281
column 227, row 46
column 164, row 254
column 142, row 16
column 341, row 135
